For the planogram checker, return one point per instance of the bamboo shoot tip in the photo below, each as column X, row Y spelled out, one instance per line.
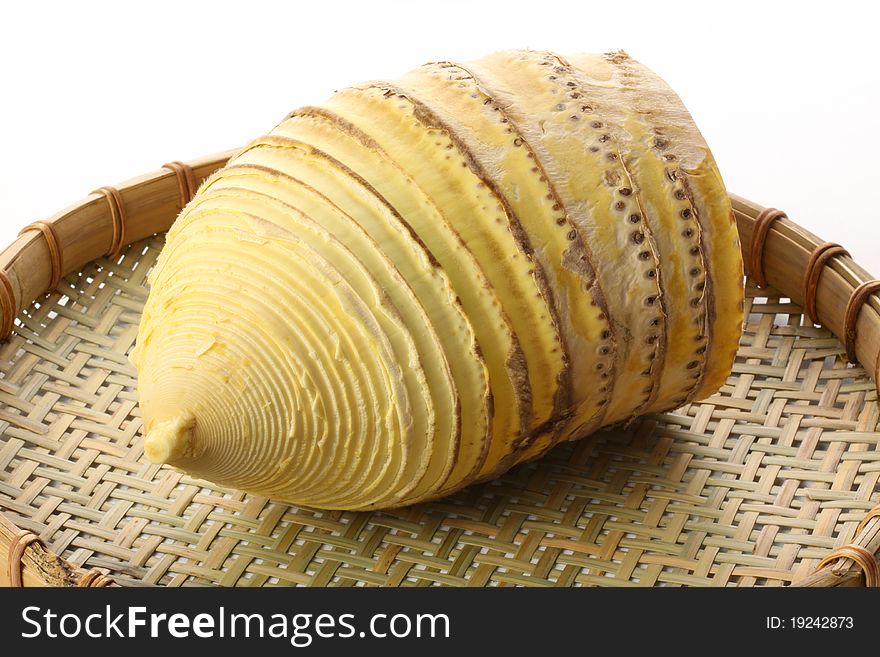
column 168, row 440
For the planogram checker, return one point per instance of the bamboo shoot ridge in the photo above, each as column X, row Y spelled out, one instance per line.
column 583, row 160
column 438, row 310
column 690, row 162
column 414, row 214
column 471, row 241
column 463, row 98
column 333, row 399
column 292, row 205
column 671, row 218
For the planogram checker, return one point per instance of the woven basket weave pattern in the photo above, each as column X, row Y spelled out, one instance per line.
column 752, row 486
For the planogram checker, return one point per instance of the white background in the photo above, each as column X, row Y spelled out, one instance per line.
column 787, row 94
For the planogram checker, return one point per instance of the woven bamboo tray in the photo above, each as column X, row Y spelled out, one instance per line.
column 772, row 481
